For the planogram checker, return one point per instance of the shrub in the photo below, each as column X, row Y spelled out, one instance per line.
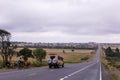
column 26, row 53
column 36, row 63
column 39, row 54
column 1, row 64
column 117, row 66
column 85, row 58
column 44, row 63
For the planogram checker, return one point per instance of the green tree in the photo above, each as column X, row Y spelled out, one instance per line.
column 11, row 51
column 5, row 45
column 25, row 53
column 39, row 54
column 109, row 52
column 117, row 50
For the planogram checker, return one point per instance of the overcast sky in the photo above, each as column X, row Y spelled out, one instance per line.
column 61, row 20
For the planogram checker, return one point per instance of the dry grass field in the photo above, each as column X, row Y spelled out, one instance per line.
column 72, row 57
column 69, row 56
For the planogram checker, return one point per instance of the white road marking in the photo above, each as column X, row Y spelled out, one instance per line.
column 78, row 71
column 100, row 72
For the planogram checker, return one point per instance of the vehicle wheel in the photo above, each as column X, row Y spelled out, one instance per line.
column 54, row 66
column 63, row 65
column 50, row 66
column 57, row 66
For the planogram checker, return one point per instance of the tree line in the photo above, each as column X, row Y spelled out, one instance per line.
column 112, row 53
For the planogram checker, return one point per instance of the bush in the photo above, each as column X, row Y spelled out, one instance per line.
column 92, row 52
column 117, row 66
column 114, row 77
column 39, row 54
column 44, row 63
column 85, row 58
column 1, row 64
column 36, row 64
column 113, row 59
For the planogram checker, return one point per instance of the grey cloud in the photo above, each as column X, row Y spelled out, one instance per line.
column 93, row 17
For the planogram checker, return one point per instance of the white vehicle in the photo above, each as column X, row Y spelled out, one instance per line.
column 55, row 61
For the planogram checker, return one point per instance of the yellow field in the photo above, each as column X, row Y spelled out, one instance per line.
column 69, row 56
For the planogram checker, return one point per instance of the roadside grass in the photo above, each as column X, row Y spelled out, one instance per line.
column 76, row 56
column 112, row 64
column 115, row 76
column 1, row 64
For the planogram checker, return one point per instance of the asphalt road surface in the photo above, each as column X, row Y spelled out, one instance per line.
column 81, row 71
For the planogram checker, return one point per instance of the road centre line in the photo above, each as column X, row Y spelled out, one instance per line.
column 77, row 71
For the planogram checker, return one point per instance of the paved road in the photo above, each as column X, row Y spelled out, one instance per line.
column 81, row 71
